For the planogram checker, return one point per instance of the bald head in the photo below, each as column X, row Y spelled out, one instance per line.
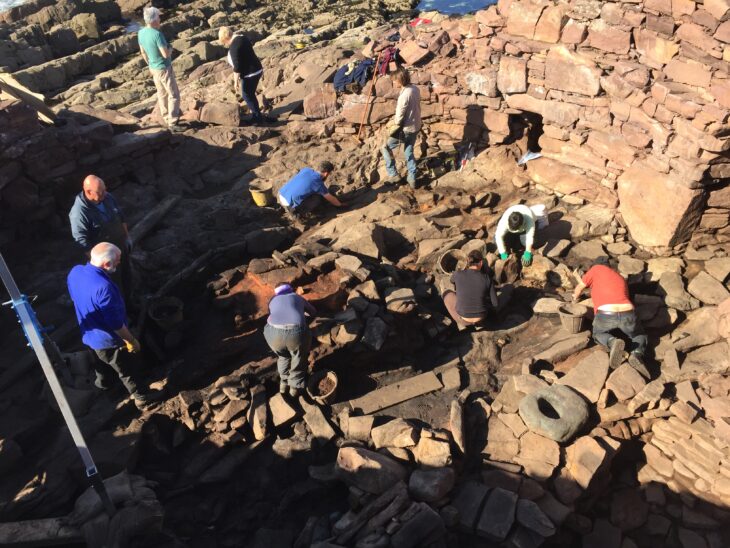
column 106, row 256
column 94, row 189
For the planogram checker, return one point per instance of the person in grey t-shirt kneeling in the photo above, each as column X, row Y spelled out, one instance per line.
column 288, row 335
column 476, row 293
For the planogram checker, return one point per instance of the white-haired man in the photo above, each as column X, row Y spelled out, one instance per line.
column 157, row 53
column 102, row 319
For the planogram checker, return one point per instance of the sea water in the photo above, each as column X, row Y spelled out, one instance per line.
column 7, row 4
column 453, row 6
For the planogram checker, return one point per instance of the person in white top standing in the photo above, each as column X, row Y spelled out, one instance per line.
column 404, row 128
column 516, row 222
column 247, row 66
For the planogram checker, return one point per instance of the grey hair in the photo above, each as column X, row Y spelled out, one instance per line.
column 151, row 14
column 104, row 253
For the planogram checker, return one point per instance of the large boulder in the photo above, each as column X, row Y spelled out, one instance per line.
column 321, row 103
column 367, row 470
column 658, row 210
column 431, row 485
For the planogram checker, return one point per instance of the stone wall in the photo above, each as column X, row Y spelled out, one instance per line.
column 42, row 167
column 633, row 96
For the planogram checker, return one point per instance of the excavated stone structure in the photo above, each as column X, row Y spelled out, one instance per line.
column 633, row 99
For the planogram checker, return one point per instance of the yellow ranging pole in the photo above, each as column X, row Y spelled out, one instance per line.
column 34, row 334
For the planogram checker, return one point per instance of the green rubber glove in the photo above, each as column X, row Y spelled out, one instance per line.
column 503, row 256
column 526, row 258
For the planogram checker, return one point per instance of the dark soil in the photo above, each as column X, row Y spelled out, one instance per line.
column 325, row 386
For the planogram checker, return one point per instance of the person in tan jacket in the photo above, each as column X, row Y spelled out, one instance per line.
column 404, row 127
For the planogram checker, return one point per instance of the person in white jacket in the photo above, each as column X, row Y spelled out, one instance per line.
column 404, row 128
column 516, row 222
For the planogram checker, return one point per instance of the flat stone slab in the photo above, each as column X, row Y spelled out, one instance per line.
column 707, row 289
column 625, row 382
column 589, row 376
column 319, row 425
column 468, row 501
column 718, row 268
column 498, row 514
column 564, row 348
column 397, row 392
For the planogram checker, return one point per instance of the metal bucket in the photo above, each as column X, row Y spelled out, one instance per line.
column 263, row 194
column 572, row 317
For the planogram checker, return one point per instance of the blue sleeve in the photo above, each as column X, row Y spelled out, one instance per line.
column 79, row 226
column 112, row 307
column 319, row 187
column 308, row 307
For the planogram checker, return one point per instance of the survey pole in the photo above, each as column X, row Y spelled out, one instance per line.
column 34, row 335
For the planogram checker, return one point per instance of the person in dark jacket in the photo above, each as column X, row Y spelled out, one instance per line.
column 95, row 217
column 475, row 293
column 288, row 335
column 246, row 66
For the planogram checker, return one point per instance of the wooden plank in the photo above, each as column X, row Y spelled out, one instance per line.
column 36, row 101
column 38, row 532
column 154, row 216
column 397, row 392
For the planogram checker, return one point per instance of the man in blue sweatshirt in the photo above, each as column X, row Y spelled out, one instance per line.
column 102, row 319
column 306, row 191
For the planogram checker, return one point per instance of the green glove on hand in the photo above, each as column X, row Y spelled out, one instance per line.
column 526, row 258
column 503, row 256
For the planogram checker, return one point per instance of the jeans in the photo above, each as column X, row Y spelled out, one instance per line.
column 125, row 364
column 248, row 90
column 310, row 203
column 626, row 323
column 291, row 345
column 409, row 141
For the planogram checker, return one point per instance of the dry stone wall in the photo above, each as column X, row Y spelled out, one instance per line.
column 633, row 99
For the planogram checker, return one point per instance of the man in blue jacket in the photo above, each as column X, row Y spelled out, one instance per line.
column 102, row 319
column 95, row 217
column 306, row 191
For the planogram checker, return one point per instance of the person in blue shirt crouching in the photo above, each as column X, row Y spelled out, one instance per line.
column 306, row 191
column 102, row 319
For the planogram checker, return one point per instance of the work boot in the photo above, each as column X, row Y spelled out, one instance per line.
column 393, row 179
column 148, row 400
column 637, row 362
column 295, row 392
column 615, row 353
column 411, row 181
column 282, row 387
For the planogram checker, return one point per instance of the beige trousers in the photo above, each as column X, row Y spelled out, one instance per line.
column 168, row 96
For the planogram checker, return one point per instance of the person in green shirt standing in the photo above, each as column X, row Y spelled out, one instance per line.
column 157, row 53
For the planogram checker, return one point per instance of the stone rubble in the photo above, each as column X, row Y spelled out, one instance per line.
column 633, row 102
